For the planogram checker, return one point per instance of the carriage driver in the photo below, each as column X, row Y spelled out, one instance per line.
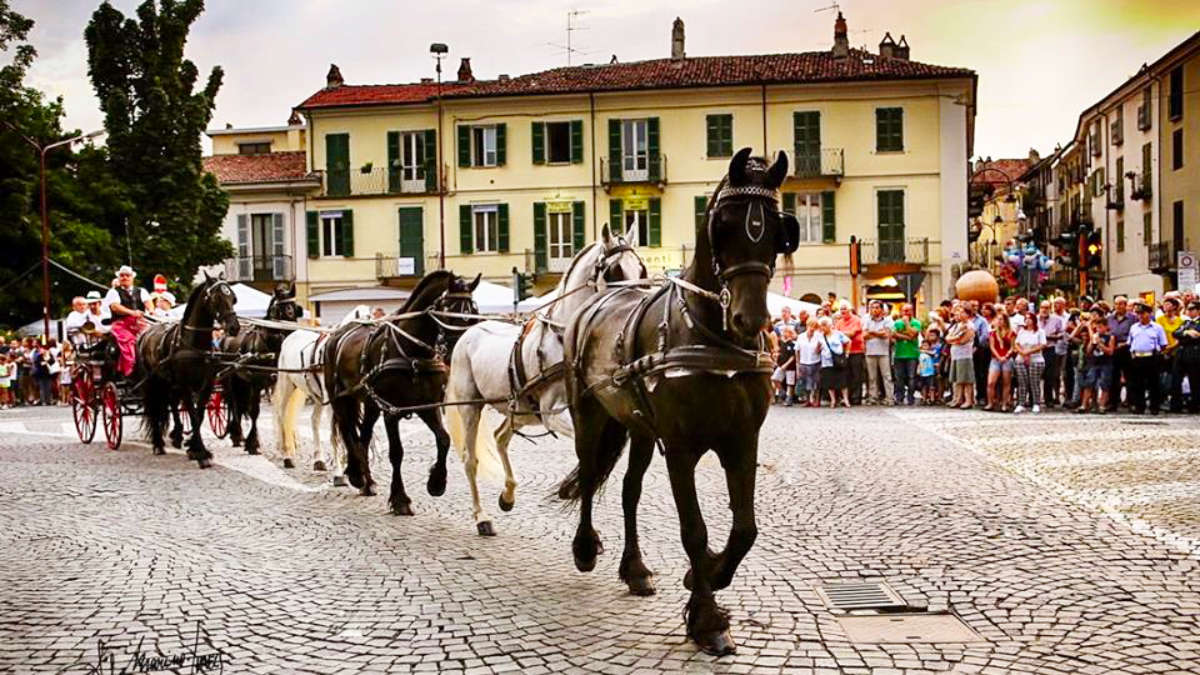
column 127, row 304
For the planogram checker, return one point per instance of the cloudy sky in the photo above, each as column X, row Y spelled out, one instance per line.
column 1039, row 62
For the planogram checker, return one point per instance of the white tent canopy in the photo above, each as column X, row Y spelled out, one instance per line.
column 532, row 303
column 250, row 302
column 776, row 303
column 493, row 298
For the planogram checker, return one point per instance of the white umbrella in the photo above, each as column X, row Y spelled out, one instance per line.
column 249, row 302
column 776, row 303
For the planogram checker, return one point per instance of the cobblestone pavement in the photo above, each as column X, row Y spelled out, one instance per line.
column 1063, row 544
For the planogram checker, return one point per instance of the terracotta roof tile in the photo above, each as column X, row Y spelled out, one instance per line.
column 704, row 71
column 274, row 167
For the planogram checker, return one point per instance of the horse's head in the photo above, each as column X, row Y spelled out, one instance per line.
column 458, row 299
column 283, row 303
column 618, row 259
column 218, row 300
column 745, row 231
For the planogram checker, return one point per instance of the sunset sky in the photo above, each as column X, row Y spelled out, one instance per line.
column 1039, row 63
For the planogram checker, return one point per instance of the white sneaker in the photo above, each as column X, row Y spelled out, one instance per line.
column 1018, row 409
column 1037, row 409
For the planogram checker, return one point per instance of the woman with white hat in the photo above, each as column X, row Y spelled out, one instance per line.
column 127, row 304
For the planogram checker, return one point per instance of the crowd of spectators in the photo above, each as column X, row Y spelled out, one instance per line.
column 33, row 372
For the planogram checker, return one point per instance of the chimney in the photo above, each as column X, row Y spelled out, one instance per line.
column 334, row 78
column 503, row 77
column 228, row 125
column 1034, row 156
column 677, row 40
column 841, row 43
column 887, row 46
column 900, row 51
column 426, row 80
column 295, row 120
column 464, row 70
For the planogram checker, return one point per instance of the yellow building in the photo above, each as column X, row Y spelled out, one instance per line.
column 1177, row 85
column 520, row 172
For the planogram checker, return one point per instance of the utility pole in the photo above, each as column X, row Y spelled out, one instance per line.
column 439, row 51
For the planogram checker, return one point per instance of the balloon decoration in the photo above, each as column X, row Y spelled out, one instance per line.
column 1024, row 267
column 977, row 285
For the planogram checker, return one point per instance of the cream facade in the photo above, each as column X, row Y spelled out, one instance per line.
column 1178, row 121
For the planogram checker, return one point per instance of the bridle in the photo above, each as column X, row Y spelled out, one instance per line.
column 205, row 299
column 608, row 260
column 755, row 229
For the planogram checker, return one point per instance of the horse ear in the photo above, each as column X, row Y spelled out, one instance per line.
column 606, row 237
column 737, row 167
column 787, row 239
column 633, row 242
column 475, row 284
column 778, row 171
column 207, row 276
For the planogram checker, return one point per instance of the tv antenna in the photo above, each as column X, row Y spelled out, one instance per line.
column 572, row 26
column 835, row 7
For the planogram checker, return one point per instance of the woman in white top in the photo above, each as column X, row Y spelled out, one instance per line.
column 808, row 364
column 1029, row 364
column 831, row 345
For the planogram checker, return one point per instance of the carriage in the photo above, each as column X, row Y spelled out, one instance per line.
column 98, row 396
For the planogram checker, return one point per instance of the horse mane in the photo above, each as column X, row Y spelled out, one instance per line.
column 191, row 302
column 562, row 283
column 423, row 287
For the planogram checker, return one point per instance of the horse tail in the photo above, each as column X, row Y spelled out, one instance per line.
column 487, row 455
column 608, row 451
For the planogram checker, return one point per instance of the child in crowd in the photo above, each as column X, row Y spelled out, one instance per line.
column 6, row 370
column 929, row 367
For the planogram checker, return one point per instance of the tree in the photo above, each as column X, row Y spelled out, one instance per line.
column 155, row 117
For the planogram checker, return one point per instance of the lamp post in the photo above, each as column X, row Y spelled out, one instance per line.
column 439, row 51
column 42, row 150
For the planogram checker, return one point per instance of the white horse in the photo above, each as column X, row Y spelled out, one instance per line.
column 481, row 366
column 301, row 354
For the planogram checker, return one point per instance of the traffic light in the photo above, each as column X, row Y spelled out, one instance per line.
column 1095, row 247
column 523, row 284
column 1068, row 247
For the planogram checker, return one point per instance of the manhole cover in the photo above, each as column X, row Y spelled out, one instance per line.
column 859, row 595
column 1146, row 423
column 907, row 628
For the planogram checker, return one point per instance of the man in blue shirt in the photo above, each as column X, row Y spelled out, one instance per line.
column 1147, row 340
column 1119, row 323
column 982, row 356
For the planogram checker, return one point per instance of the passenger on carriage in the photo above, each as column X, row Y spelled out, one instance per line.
column 161, row 300
column 127, row 304
column 84, row 311
column 96, row 311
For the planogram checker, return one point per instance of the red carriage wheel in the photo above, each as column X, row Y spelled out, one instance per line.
column 83, row 404
column 218, row 414
column 110, row 409
column 185, row 417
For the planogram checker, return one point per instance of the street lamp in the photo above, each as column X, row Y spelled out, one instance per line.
column 439, row 50
column 42, row 150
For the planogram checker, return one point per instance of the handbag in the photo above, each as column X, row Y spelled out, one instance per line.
column 839, row 360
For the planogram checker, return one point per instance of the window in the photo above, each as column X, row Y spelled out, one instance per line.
column 559, row 239
column 1175, row 100
column 333, row 234
column 635, row 159
column 640, row 219
column 1118, row 193
column 483, row 146
column 889, row 129
column 1177, row 149
column 808, row 212
column 487, row 228
column 720, row 135
column 1176, row 223
column 257, row 148
column 1147, row 232
column 412, row 157
column 644, row 214
column 806, row 132
column 557, row 142
column 891, row 225
column 1120, row 234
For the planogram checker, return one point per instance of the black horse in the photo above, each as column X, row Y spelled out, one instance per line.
column 656, row 367
column 374, row 369
column 175, row 359
column 257, row 347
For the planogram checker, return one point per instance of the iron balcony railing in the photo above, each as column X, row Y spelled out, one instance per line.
column 655, row 172
column 823, row 162
column 1141, row 188
column 396, row 265
column 1162, row 256
column 913, row 250
column 1143, row 117
column 1115, row 132
column 375, row 180
column 260, row 268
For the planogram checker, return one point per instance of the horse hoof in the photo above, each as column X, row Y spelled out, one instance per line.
column 287, row 462
column 355, row 479
column 506, row 505
column 402, row 510
column 437, row 482
column 204, row 463
column 641, row 586
column 339, row 481
column 251, row 451
column 717, row 644
column 177, row 443
column 367, row 491
column 585, row 564
column 485, row 529
column 160, row 451
column 318, row 465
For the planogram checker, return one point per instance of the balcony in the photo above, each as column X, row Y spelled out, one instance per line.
column 1115, row 132
column 1141, row 187
column 396, row 265
column 1162, row 256
column 913, row 251
column 1143, row 117
column 263, row 268
column 826, row 162
column 372, row 182
column 654, row 171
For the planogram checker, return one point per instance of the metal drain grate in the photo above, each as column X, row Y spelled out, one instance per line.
column 860, row 595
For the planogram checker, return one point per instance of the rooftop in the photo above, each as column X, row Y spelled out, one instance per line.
column 272, row 167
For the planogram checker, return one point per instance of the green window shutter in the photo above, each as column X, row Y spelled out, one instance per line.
column 806, row 135
column 578, row 236
column 464, row 145
column 431, row 161
column 655, row 221
column 465, row 228
column 789, row 202
column 540, row 257
column 712, row 128
column 393, row 161
column 348, row 234
column 828, row 213
column 538, row 133
column 337, row 163
column 576, row 141
column 889, row 129
column 701, row 204
column 313, row 237
column 502, row 227
column 501, row 145
column 615, row 221
column 614, row 153
column 652, row 155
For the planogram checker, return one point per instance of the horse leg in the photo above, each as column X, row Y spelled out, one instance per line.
column 504, row 435
column 436, row 485
column 322, row 461
column 471, row 419
column 177, row 429
column 284, row 420
column 233, row 390
column 345, row 418
column 633, row 570
column 596, row 436
column 707, row 624
column 740, row 464
column 196, row 449
column 155, row 403
column 253, row 401
column 398, row 498
column 366, row 430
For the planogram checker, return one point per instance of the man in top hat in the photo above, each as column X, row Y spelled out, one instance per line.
column 1147, row 341
column 127, row 304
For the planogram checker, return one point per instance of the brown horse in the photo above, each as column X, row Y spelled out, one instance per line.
column 654, row 367
column 381, row 368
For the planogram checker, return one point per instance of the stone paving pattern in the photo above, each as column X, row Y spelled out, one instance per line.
column 976, row 514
